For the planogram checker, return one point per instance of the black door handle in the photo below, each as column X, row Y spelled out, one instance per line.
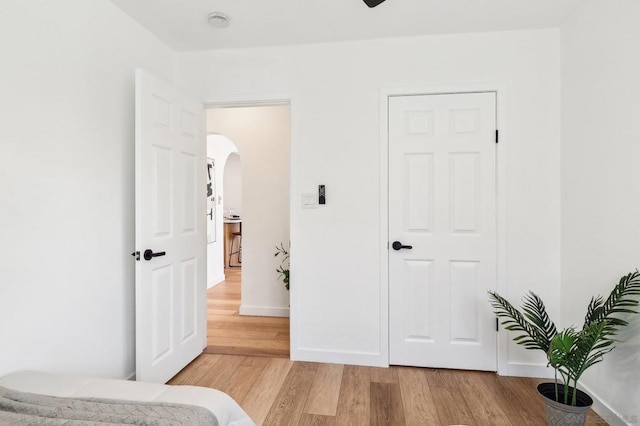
column 148, row 254
column 397, row 245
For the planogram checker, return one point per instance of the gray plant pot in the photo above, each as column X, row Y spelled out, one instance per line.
column 559, row 414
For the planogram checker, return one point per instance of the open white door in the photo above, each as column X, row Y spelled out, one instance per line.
column 170, row 229
column 442, row 208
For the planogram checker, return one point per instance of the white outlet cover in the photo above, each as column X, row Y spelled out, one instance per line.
column 309, row 201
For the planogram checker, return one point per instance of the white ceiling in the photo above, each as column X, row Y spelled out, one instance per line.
column 183, row 24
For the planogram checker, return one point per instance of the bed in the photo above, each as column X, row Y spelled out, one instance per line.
column 226, row 411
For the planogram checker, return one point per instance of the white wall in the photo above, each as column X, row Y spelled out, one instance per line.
column 66, row 183
column 600, row 182
column 262, row 135
column 66, row 174
column 335, row 141
column 233, row 185
column 219, row 148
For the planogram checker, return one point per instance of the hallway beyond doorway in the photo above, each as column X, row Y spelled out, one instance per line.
column 231, row 334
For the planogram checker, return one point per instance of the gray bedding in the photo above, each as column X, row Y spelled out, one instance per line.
column 21, row 408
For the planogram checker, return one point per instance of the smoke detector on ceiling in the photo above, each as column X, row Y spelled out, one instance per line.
column 218, row 20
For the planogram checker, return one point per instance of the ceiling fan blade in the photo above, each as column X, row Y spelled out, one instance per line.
column 373, row 3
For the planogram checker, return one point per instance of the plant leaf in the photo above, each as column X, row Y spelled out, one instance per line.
column 514, row 320
column 536, row 312
column 620, row 301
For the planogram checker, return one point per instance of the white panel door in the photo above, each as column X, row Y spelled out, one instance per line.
column 442, row 203
column 171, row 228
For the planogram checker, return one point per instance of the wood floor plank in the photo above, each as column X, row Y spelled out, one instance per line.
column 226, row 312
column 227, row 325
column 260, row 398
column 288, row 405
column 217, row 377
column 233, row 294
column 386, row 404
column 247, row 351
column 418, row 403
column 241, row 334
column 242, row 380
column 223, row 302
column 252, row 361
column 324, row 393
column 521, row 406
column 211, row 325
column 354, row 401
column 222, row 290
column 442, row 378
column 245, row 319
column 528, row 386
column 449, row 402
column 228, row 332
column 196, row 370
column 239, row 342
column 451, row 407
column 594, row 419
column 317, row 420
column 486, row 410
column 422, row 396
column 384, row 375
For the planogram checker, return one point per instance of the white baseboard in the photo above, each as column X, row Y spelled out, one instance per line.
column 217, row 280
column 604, row 410
column 264, row 311
column 521, row 369
column 333, row 357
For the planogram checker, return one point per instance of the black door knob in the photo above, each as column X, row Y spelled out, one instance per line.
column 148, row 254
column 397, row 245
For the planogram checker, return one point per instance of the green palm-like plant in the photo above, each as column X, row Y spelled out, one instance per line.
column 571, row 352
column 283, row 268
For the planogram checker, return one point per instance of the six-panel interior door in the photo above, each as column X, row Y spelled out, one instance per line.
column 442, row 202
column 170, row 219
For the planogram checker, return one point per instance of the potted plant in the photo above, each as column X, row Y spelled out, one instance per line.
column 283, row 268
column 570, row 351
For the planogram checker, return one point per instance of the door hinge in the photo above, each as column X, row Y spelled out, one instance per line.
column 497, row 135
column 136, row 254
column 497, row 325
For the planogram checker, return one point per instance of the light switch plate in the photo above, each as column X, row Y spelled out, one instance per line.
column 309, row 201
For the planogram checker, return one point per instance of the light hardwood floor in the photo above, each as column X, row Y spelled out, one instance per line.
column 232, row 334
column 277, row 391
column 247, row 358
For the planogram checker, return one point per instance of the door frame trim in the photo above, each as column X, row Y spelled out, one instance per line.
column 271, row 99
column 501, row 185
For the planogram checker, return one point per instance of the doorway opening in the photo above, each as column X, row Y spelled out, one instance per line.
column 232, row 211
column 247, row 303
